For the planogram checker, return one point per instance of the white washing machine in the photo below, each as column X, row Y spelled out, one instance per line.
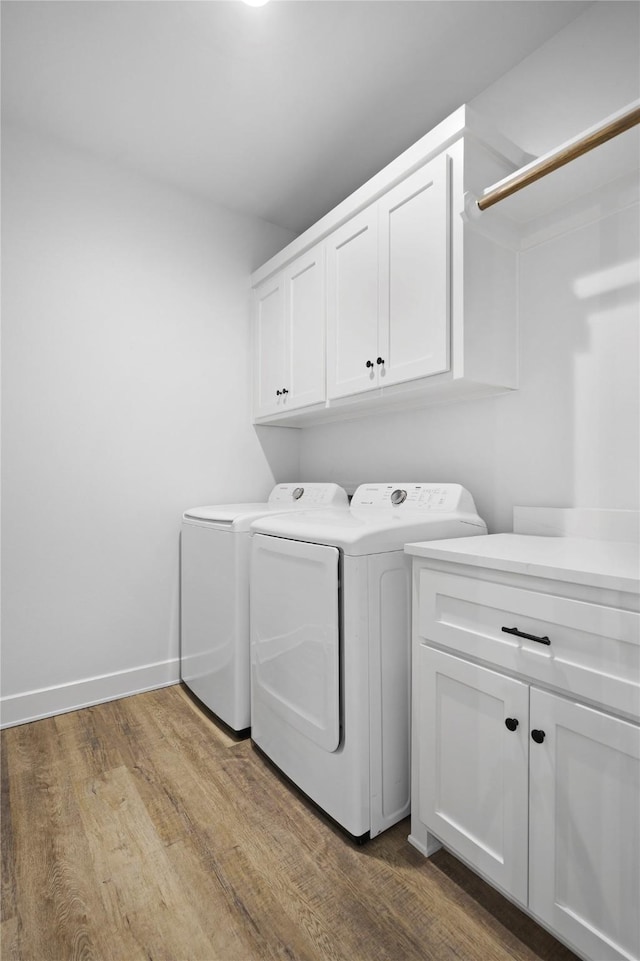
column 214, row 644
column 330, row 645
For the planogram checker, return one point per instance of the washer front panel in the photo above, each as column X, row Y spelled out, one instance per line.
column 295, row 640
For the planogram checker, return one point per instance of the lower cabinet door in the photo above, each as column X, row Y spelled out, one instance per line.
column 585, row 827
column 474, row 737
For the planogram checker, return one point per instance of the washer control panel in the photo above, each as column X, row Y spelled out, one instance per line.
column 309, row 495
column 412, row 497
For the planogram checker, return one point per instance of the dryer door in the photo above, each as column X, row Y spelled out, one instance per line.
column 295, row 636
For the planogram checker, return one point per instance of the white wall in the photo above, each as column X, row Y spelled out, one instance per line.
column 126, row 384
column 585, row 72
column 569, row 436
column 126, row 399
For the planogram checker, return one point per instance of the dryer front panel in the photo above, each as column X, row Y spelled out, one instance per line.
column 295, row 636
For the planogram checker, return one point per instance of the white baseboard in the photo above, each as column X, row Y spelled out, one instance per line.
column 46, row 702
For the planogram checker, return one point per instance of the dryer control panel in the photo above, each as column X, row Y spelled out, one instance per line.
column 447, row 498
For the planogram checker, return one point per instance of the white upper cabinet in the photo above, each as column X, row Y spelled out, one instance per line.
column 419, row 303
column 414, row 275
column 269, row 339
column 304, row 285
column 289, row 337
column 388, row 287
column 352, row 305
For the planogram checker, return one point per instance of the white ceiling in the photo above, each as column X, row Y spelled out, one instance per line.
column 279, row 111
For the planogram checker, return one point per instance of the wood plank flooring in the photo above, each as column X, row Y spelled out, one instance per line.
column 139, row 829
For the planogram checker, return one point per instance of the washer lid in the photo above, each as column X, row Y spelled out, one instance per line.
column 284, row 497
column 225, row 516
column 378, row 521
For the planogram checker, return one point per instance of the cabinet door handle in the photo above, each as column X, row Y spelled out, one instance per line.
column 380, row 360
column 369, row 363
column 278, row 392
column 284, row 390
column 538, row 736
column 529, row 637
column 512, row 723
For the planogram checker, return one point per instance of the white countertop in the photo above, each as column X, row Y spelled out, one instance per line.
column 579, row 560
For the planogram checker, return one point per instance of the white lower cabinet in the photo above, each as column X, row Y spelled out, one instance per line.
column 584, row 834
column 539, row 794
column 473, row 771
column 528, row 768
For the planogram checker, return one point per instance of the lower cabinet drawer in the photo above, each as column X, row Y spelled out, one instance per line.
column 586, row 649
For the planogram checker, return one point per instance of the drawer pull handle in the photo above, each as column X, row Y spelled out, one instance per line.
column 511, row 723
column 538, row 736
column 529, row 637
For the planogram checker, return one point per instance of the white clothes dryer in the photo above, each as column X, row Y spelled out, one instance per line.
column 330, row 645
column 214, row 643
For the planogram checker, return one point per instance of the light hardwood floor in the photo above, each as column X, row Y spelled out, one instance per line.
column 138, row 829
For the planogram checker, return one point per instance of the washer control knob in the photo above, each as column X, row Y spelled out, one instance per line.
column 297, row 493
column 398, row 496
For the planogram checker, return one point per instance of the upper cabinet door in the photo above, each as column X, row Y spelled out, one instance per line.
column 352, row 306
column 305, row 320
column 415, row 275
column 269, row 334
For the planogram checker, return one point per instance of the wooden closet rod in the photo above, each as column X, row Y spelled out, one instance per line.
column 617, row 124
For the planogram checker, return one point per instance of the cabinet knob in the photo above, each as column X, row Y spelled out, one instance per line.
column 278, row 392
column 538, row 736
column 511, row 723
column 284, row 390
column 380, row 360
column 369, row 363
